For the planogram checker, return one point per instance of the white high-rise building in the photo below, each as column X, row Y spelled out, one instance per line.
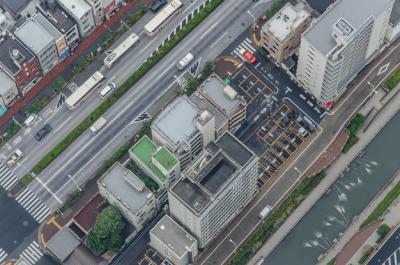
column 215, row 187
column 339, row 44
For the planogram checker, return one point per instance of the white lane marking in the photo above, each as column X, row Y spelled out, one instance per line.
column 47, row 188
column 208, row 30
column 219, row 39
column 147, row 46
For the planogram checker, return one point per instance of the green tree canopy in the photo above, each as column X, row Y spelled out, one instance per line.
column 107, row 232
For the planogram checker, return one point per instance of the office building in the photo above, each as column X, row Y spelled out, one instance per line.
column 393, row 31
column 183, row 129
column 82, row 13
column 226, row 99
column 19, row 63
column 59, row 39
column 281, row 35
column 8, row 92
column 40, row 42
column 62, row 21
column 173, row 242
column 339, row 44
column 214, row 188
column 123, row 189
column 156, row 161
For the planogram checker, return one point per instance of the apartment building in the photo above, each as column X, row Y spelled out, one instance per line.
column 98, row 10
column 173, row 242
column 214, row 188
column 8, row 92
column 393, row 31
column 183, row 129
column 40, row 42
column 19, row 63
column 123, row 189
column 82, row 13
column 62, row 21
column 282, row 33
column 339, row 44
column 225, row 99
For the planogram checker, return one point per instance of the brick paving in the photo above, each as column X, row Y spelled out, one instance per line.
column 327, row 158
column 58, row 69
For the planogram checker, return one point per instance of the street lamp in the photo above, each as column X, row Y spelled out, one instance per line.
column 295, row 168
column 234, row 244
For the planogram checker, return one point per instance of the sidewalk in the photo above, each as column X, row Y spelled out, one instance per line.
column 58, row 70
column 332, row 173
column 349, row 248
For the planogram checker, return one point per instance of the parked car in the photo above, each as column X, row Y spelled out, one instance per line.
column 157, row 5
column 43, row 132
column 107, row 90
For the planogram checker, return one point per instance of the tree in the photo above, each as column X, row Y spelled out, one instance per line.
column 383, row 230
column 107, row 232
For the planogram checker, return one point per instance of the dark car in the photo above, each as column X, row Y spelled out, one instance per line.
column 157, row 5
column 43, row 132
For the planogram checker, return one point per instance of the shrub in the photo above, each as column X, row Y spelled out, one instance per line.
column 393, row 80
column 382, row 231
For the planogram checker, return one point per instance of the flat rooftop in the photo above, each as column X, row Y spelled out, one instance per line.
column 76, row 7
column 58, row 18
column 395, row 15
column 46, row 25
column 14, row 6
column 203, row 104
column 286, row 20
column 6, row 83
column 173, row 236
column 146, row 150
column 319, row 34
column 207, row 176
column 86, row 217
column 216, row 91
column 176, row 122
column 124, row 184
column 8, row 44
column 34, row 36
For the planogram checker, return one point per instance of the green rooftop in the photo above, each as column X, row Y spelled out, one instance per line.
column 144, row 150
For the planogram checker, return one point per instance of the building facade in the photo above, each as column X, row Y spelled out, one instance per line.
column 82, row 13
column 98, row 10
column 282, row 33
column 123, row 189
column 173, row 242
column 8, row 92
column 39, row 42
column 393, row 31
column 19, row 63
column 340, row 44
column 63, row 22
column 214, row 188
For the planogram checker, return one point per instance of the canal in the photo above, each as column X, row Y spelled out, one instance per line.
column 347, row 197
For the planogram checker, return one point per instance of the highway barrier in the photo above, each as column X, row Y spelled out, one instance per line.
column 124, row 87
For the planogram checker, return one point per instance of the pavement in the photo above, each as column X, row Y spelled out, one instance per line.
column 242, row 226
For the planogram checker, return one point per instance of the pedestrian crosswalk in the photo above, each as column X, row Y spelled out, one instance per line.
column 7, row 177
column 32, row 253
column 33, row 205
column 3, row 255
column 245, row 44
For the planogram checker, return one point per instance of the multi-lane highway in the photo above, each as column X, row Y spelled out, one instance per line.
column 85, row 155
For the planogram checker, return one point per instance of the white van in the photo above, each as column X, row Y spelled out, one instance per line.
column 265, row 212
column 30, row 120
column 107, row 90
column 97, row 125
column 185, row 61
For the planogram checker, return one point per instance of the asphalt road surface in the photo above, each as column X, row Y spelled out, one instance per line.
column 389, row 253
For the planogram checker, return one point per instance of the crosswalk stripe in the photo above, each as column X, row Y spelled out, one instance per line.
column 38, row 210
column 27, row 257
column 3, row 255
column 27, row 200
column 43, row 216
column 250, row 45
column 6, row 178
column 11, row 183
column 22, row 195
column 34, row 252
column 36, row 244
column 34, row 203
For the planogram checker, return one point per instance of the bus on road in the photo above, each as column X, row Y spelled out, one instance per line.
column 85, row 90
column 157, row 23
column 120, row 50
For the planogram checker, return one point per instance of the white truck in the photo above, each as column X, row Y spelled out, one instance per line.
column 14, row 157
column 97, row 125
column 185, row 61
column 265, row 212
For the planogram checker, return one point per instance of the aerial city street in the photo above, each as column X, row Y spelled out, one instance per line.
column 207, row 132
